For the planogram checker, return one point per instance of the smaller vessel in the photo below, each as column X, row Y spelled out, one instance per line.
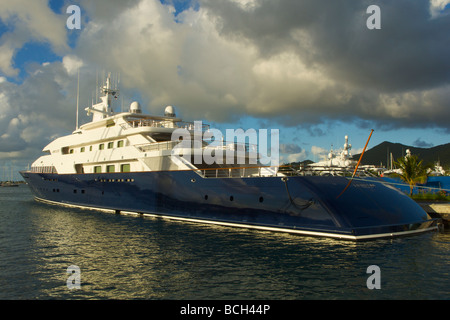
column 10, row 182
column 335, row 164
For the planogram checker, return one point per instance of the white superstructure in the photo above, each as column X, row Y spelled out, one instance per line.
column 126, row 142
column 335, row 162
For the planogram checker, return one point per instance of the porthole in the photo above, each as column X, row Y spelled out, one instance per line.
column 231, row 198
column 206, row 197
column 261, row 199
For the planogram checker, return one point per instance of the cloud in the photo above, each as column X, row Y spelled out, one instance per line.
column 290, row 148
column 422, row 144
column 292, row 152
column 28, row 21
column 337, row 67
column 438, row 6
column 294, row 157
column 72, row 64
column 318, row 150
column 188, row 62
column 6, row 56
column 293, row 63
column 33, row 112
column 319, row 153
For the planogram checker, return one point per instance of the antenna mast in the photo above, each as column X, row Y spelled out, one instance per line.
column 78, row 96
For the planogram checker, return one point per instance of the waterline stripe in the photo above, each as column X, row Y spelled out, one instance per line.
column 248, row 226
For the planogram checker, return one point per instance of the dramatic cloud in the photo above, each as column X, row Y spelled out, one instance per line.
column 297, row 63
column 338, row 67
column 293, row 61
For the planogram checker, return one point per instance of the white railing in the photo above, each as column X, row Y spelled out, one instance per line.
column 239, row 172
column 139, row 123
column 44, row 169
column 157, row 146
column 248, row 149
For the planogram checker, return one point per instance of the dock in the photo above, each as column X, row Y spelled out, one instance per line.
column 437, row 210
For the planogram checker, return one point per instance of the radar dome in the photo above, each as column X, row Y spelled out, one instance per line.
column 135, row 107
column 169, row 111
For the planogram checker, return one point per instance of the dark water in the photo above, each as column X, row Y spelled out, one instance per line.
column 131, row 257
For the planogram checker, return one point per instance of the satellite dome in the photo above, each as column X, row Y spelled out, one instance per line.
column 169, row 111
column 135, row 107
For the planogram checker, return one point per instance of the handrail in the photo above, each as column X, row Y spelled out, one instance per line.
column 43, row 169
column 276, row 171
column 155, row 123
column 237, row 146
column 332, row 169
column 242, row 171
column 156, row 146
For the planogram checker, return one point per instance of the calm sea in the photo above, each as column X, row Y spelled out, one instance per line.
column 132, row 257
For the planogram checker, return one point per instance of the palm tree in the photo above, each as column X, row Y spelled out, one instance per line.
column 413, row 171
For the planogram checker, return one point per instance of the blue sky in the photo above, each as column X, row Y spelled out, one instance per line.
column 311, row 69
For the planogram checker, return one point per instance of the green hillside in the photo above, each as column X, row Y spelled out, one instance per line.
column 379, row 155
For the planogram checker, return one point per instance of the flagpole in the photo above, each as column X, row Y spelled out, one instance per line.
column 357, row 165
column 78, row 96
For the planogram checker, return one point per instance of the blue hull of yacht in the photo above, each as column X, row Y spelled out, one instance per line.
column 306, row 205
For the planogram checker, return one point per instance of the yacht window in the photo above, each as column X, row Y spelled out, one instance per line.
column 125, row 167
column 82, row 149
column 97, row 169
column 110, row 145
column 101, row 146
column 120, row 144
column 110, row 168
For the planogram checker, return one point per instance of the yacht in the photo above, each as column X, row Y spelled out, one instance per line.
column 336, row 163
column 130, row 162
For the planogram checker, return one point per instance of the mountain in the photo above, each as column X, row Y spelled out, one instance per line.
column 380, row 154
